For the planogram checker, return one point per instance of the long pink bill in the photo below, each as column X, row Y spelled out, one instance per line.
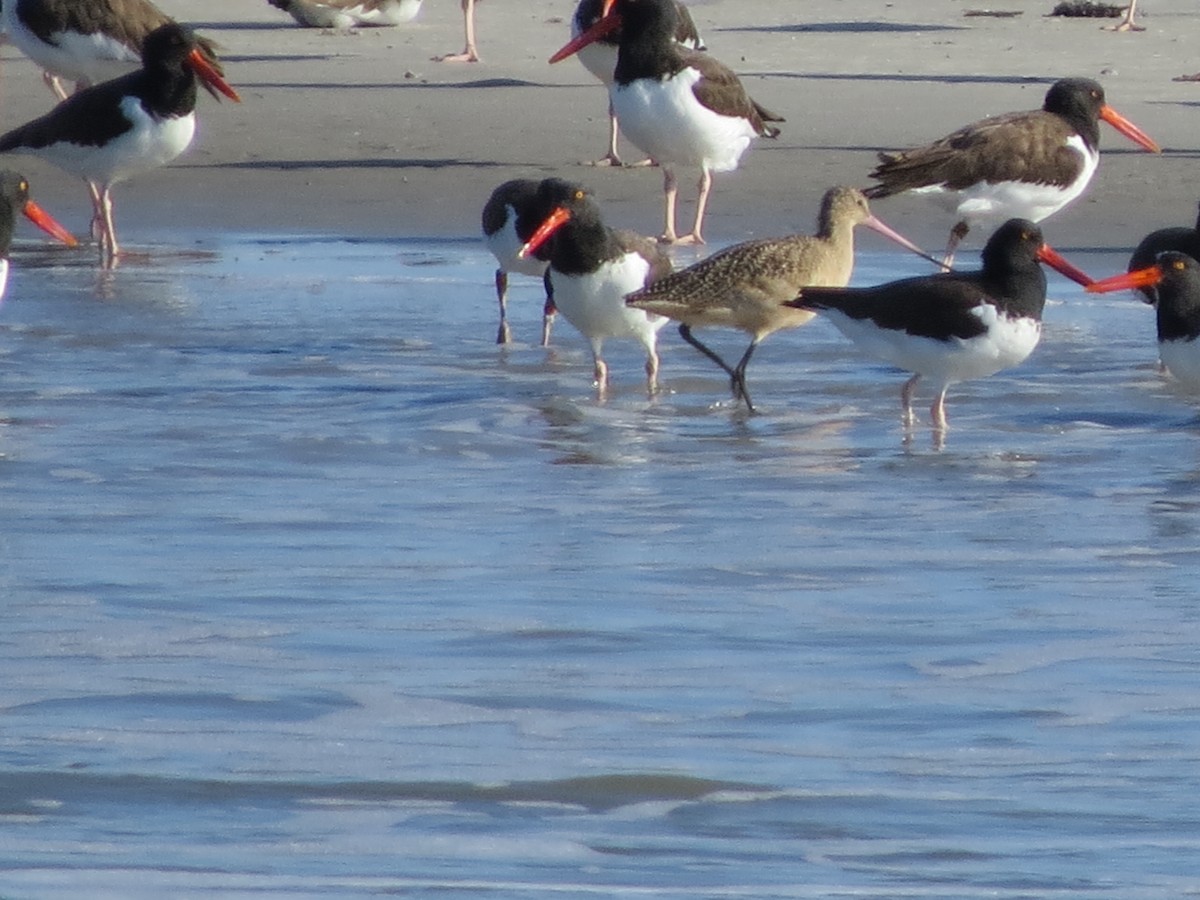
column 877, row 225
column 1139, row 278
column 554, row 221
column 1056, row 261
column 1127, row 128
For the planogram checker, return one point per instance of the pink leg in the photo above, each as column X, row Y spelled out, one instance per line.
column 1127, row 23
column 504, row 335
column 470, row 53
column 704, row 188
column 670, row 195
column 938, row 410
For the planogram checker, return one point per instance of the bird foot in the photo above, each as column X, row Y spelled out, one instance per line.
column 469, row 55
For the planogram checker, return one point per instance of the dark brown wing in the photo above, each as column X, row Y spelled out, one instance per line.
column 1011, row 147
column 721, row 91
column 648, row 249
column 686, row 31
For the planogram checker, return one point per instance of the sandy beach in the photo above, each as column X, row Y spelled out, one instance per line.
column 362, row 134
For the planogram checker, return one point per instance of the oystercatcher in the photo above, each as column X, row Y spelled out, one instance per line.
column 107, row 133
column 592, row 268
column 677, row 106
column 1182, row 240
column 952, row 326
column 745, row 286
column 1026, row 164
column 87, row 41
column 1176, row 278
column 345, row 14
column 510, row 216
column 600, row 58
column 14, row 198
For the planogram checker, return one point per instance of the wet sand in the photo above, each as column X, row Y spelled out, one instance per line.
column 363, row 134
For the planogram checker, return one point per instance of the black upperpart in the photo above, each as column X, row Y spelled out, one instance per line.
column 1179, row 239
column 940, row 306
column 165, row 86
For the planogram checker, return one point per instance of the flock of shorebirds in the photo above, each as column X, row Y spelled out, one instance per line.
column 682, row 108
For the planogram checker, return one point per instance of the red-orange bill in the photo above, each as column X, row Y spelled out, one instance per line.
column 46, row 222
column 1139, row 278
column 1127, row 128
column 553, row 222
column 210, row 76
column 604, row 26
column 1054, row 260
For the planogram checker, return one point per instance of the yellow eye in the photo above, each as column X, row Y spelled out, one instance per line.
column 579, row 195
column 24, row 185
column 1179, row 265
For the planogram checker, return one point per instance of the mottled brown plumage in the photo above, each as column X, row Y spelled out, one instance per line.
column 745, row 286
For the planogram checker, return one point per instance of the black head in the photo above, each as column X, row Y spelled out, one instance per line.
column 168, row 45
column 1178, row 315
column 1077, row 96
column 1016, row 243
column 655, row 19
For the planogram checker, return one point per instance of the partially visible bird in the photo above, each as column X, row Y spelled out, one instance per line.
column 745, row 286
column 110, row 132
column 600, row 58
column 1176, row 278
column 511, row 215
column 346, row 14
column 592, row 268
column 1025, row 164
column 953, row 326
column 677, row 106
column 1127, row 23
column 88, row 41
column 470, row 52
column 14, row 198
column 1183, row 240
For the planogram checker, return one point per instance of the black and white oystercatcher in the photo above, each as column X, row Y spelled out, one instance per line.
column 953, row 326
column 745, row 286
column 592, row 268
column 679, row 107
column 110, row 132
column 14, row 198
column 511, row 215
column 1179, row 239
column 1176, row 279
column 600, row 58
column 87, row 41
column 1025, row 165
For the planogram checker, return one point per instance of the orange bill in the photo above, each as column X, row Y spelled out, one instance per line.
column 1054, row 260
column 205, row 72
column 1127, row 128
column 604, row 26
column 46, row 222
column 1139, row 278
column 554, row 221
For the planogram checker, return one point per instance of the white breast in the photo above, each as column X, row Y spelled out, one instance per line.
column 1182, row 359
column 665, row 120
column 595, row 303
column 150, row 143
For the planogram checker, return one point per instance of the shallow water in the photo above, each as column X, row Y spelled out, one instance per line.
column 311, row 590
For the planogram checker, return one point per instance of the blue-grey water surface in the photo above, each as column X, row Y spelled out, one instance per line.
column 309, row 589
